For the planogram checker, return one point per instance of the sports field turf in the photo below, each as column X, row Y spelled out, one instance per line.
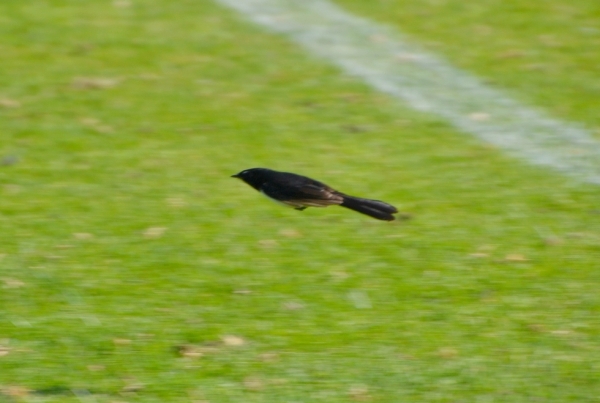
column 134, row 269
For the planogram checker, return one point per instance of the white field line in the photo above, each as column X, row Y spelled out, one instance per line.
column 388, row 62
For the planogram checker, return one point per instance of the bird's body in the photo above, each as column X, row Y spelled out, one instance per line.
column 301, row 192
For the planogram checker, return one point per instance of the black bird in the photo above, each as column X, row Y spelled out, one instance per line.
column 301, row 192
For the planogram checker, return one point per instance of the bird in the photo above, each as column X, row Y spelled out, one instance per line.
column 300, row 192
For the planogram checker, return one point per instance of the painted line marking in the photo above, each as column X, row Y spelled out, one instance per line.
column 383, row 58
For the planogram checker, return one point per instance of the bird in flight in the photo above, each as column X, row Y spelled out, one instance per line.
column 300, row 192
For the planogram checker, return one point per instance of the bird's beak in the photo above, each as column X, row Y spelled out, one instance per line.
column 235, row 176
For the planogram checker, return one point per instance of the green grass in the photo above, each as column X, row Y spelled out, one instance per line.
column 543, row 52
column 129, row 258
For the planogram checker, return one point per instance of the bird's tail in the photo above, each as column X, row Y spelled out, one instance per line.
column 373, row 208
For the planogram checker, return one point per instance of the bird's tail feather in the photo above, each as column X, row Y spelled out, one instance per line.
column 373, row 208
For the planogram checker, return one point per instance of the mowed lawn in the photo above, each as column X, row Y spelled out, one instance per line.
column 134, row 269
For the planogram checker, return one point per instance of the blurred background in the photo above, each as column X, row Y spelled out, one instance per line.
column 133, row 268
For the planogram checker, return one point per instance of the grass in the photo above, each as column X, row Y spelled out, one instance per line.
column 541, row 51
column 134, row 269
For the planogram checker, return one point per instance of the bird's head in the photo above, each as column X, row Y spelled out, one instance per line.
column 254, row 177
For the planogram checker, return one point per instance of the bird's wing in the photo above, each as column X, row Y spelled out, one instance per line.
column 307, row 194
column 321, row 192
